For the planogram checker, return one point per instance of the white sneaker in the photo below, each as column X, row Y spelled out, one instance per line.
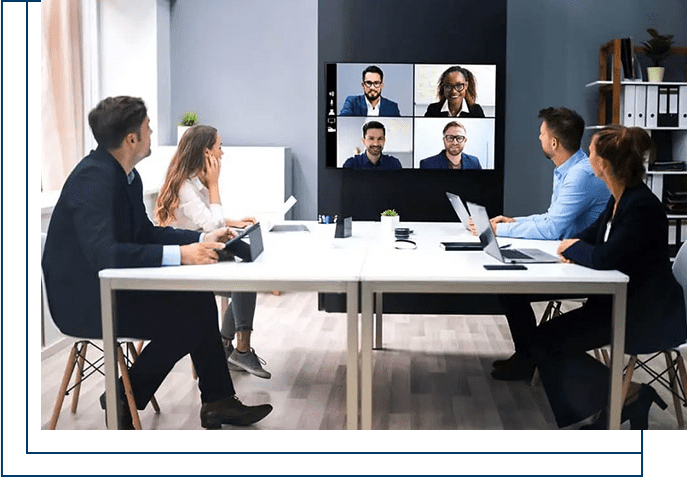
column 250, row 362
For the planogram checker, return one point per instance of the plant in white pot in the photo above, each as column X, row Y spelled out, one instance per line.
column 189, row 119
column 657, row 48
column 390, row 220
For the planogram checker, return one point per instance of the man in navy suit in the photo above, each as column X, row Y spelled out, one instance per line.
column 452, row 157
column 374, row 137
column 100, row 222
column 371, row 103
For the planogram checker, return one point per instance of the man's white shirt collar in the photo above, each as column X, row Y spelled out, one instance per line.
column 373, row 111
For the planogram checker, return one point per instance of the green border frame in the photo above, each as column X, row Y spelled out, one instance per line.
column 28, row 450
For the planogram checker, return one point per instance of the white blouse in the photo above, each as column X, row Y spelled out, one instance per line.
column 195, row 212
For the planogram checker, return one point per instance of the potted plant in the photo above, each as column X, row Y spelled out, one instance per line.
column 657, row 48
column 189, row 119
column 390, row 220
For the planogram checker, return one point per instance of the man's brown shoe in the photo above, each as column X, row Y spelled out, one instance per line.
column 231, row 411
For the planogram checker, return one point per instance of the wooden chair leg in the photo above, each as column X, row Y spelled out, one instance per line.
column 71, row 362
column 627, row 380
column 81, row 358
column 127, row 389
column 134, row 351
column 673, row 387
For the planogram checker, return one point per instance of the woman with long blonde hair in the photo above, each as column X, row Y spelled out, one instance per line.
column 189, row 198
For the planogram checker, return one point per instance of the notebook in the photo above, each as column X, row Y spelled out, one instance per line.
column 491, row 246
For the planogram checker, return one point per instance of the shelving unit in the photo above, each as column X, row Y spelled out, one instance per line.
column 610, row 96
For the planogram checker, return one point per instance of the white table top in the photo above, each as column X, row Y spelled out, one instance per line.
column 368, row 255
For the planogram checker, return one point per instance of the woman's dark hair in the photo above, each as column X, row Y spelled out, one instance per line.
column 188, row 161
column 471, row 87
column 115, row 117
column 626, row 150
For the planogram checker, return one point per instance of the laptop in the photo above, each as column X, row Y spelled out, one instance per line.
column 460, row 209
column 464, row 217
column 246, row 245
column 491, row 246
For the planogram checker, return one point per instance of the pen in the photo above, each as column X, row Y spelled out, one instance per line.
column 505, row 246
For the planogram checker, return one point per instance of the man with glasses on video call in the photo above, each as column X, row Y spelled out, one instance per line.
column 371, row 102
column 452, row 157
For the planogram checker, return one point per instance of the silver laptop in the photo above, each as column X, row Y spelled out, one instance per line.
column 460, row 209
column 491, row 246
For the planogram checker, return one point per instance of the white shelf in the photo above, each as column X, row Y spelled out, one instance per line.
column 667, row 173
column 622, row 83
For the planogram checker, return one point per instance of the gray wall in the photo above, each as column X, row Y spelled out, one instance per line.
column 553, row 51
column 250, row 68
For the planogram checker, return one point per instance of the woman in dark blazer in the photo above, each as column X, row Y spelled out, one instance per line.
column 631, row 236
column 457, row 92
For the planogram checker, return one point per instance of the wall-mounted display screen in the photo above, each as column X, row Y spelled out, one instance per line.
column 410, row 116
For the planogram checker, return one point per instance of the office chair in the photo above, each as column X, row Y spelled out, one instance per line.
column 81, row 367
column 674, row 367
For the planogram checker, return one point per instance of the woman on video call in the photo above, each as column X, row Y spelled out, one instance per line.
column 457, row 92
column 189, row 199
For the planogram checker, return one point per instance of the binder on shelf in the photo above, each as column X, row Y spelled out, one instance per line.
column 652, row 106
column 627, row 107
column 640, row 106
column 667, row 106
column 626, row 58
column 682, row 107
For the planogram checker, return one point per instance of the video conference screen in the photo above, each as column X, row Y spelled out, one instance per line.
column 388, row 116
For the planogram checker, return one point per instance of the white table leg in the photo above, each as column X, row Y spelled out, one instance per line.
column 617, row 357
column 109, row 323
column 379, row 320
column 352, row 355
column 366, row 356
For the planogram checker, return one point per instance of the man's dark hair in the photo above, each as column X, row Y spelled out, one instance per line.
column 113, row 118
column 373, row 125
column 566, row 125
column 374, row 69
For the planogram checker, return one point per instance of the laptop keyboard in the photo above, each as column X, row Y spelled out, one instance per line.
column 514, row 254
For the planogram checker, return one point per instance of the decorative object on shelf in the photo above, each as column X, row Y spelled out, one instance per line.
column 657, row 48
column 189, row 119
column 390, row 220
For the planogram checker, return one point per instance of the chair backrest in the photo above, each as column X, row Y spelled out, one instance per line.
column 680, row 268
column 44, row 300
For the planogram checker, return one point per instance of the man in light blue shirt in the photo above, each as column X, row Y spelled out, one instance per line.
column 578, row 196
column 578, row 199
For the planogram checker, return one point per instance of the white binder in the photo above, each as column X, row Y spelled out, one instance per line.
column 682, row 112
column 627, row 110
column 640, row 105
column 652, row 106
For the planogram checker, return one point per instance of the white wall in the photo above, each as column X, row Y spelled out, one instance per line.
column 129, row 51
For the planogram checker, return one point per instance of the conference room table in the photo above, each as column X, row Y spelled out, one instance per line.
column 291, row 261
column 430, row 269
column 365, row 266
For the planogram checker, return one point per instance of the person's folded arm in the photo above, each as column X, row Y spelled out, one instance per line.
column 632, row 234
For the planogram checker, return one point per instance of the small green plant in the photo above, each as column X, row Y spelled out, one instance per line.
column 658, row 47
column 389, row 213
column 189, row 119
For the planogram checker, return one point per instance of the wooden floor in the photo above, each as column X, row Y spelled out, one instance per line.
column 432, row 374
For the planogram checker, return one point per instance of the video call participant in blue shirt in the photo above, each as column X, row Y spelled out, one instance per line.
column 578, row 196
column 452, row 156
column 371, row 102
column 374, row 136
